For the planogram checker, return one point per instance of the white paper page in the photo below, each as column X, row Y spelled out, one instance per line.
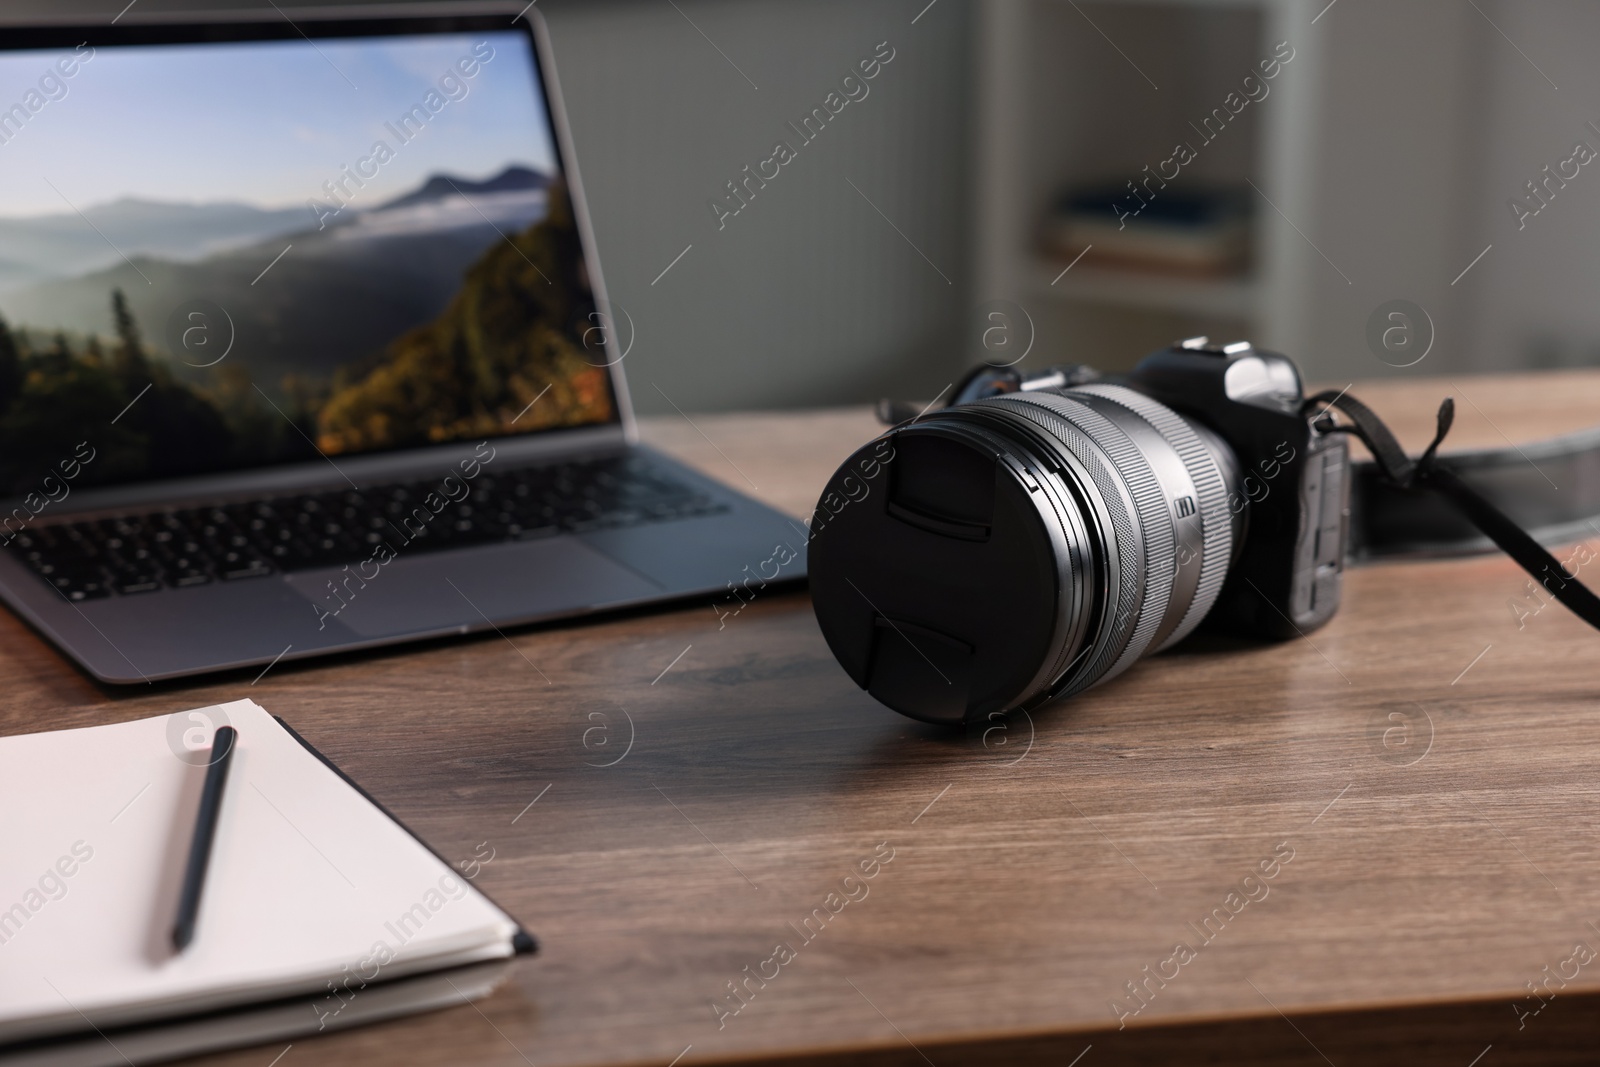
column 308, row 881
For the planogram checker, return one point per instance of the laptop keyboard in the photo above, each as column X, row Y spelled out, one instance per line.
column 181, row 547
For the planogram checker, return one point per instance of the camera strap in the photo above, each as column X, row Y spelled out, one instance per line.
column 1386, row 492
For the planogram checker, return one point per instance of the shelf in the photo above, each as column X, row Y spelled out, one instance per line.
column 1216, row 297
column 1043, row 128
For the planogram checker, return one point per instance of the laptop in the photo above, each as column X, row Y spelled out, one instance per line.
column 307, row 348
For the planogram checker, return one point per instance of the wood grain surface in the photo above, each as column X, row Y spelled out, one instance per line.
column 668, row 800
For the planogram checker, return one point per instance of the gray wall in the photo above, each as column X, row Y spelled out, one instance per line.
column 808, row 296
column 1436, row 113
column 1392, row 178
column 1534, row 294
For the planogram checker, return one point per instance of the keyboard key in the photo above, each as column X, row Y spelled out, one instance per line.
column 236, row 566
column 131, row 583
column 79, row 584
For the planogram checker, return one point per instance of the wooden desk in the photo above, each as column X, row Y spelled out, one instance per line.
column 1037, row 866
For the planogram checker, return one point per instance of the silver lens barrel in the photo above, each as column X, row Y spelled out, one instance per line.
column 1156, row 488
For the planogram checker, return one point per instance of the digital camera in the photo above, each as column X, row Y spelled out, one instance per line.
column 1041, row 534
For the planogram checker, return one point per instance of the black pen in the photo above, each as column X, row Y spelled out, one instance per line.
column 205, row 829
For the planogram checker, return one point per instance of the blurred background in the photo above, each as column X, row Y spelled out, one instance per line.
column 1374, row 187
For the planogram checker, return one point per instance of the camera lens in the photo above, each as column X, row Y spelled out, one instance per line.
column 1001, row 553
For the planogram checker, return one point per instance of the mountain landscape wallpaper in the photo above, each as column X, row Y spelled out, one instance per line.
column 432, row 302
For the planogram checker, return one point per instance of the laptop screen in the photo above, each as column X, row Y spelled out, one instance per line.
column 220, row 255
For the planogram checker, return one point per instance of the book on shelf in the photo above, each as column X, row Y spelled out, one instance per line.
column 1203, row 234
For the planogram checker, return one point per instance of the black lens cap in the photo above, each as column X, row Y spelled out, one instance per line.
column 936, row 577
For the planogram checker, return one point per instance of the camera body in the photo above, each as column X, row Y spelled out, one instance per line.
column 1041, row 534
column 1293, row 482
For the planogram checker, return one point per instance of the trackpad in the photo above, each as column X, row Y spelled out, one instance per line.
column 440, row 591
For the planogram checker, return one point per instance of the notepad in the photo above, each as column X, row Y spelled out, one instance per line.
column 314, row 891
